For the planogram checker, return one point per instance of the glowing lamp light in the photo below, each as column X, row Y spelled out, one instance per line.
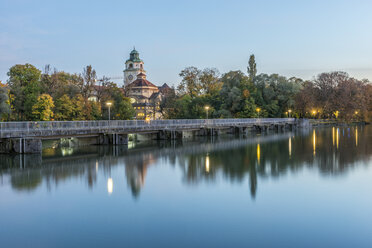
column 207, row 164
column 110, row 185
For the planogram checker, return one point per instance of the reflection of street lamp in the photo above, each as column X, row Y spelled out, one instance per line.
column 109, row 106
column 289, row 113
column 258, row 111
column 110, row 185
column 206, row 109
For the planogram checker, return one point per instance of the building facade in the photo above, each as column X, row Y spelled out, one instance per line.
column 145, row 96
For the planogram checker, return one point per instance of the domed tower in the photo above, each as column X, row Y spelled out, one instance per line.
column 133, row 67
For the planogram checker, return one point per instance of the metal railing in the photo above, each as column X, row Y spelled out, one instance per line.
column 32, row 126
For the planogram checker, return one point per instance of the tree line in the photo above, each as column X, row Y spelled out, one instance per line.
column 235, row 94
column 56, row 95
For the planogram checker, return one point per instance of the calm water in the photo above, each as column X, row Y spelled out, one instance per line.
column 305, row 189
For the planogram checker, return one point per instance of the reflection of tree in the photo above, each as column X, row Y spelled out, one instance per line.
column 275, row 158
column 235, row 159
column 26, row 181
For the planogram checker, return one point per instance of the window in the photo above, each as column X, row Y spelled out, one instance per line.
column 130, row 65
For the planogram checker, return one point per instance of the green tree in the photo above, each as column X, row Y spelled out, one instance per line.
column 89, row 79
column 190, row 83
column 4, row 102
column 232, row 93
column 64, row 108
column 43, row 108
column 252, row 70
column 24, row 83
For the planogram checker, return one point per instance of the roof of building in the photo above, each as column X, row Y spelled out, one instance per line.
column 141, row 81
column 164, row 88
column 154, row 95
column 134, row 56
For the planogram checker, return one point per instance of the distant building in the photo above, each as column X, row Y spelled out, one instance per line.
column 133, row 67
column 145, row 96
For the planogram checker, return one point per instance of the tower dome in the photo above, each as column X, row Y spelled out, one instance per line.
column 133, row 67
column 134, row 56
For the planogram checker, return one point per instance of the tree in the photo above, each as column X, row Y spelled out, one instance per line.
column 122, row 108
column 24, row 83
column 87, row 81
column 232, row 93
column 64, row 108
column 252, row 70
column 210, row 82
column 4, row 101
column 42, row 109
column 190, row 83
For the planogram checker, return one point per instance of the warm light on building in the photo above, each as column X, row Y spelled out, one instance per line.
column 110, row 185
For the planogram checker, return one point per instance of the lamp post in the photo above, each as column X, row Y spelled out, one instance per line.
column 258, row 111
column 206, row 109
column 289, row 113
column 109, row 106
column 313, row 112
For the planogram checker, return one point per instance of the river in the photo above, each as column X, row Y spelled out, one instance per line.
column 307, row 188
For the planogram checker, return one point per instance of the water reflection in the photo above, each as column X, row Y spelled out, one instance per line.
column 241, row 160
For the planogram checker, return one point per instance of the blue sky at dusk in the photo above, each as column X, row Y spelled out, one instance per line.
column 292, row 38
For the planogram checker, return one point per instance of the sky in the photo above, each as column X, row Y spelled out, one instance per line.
column 293, row 38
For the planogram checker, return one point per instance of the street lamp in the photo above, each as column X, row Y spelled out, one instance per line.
column 258, row 111
column 206, row 109
column 313, row 112
column 109, row 106
column 289, row 113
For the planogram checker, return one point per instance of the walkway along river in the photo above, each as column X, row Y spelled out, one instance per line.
column 27, row 137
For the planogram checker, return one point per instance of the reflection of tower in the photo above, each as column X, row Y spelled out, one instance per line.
column 253, row 180
column 135, row 172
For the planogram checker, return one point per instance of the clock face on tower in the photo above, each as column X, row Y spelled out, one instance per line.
column 130, row 77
